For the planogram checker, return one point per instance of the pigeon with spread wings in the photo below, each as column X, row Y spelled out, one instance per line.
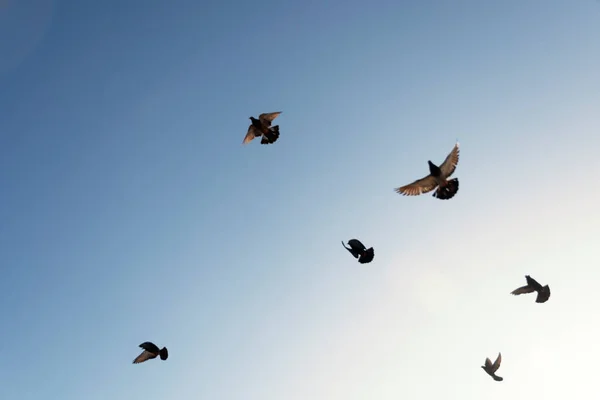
column 358, row 250
column 151, row 351
column 492, row 368
column 262, row 127
column 543, row 292
column 437, row 178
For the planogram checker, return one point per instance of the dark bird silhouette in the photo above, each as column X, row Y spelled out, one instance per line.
column 262, row 127
column 358, row 250
column 543, row 292
column 438, row 177
column 492, row 368
column 151, row 351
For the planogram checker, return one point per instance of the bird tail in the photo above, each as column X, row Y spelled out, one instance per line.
column 367, row 256
column 164, row 353
column 448, row 190
column 498, row 378
column 271, row 136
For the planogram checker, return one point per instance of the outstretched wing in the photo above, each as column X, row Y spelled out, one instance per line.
column 523, row 290
column 488, row 363
column 449, row 164
column 497, row 363
column 356, row 244
column 149, row 346
column 267, row 118
column 252, row 133
column 533, row 283
column 418, row 187
column 146, row 355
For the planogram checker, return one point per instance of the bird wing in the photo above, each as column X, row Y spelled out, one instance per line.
column 252, row 133
column 418, row 187
column 351, row 250
column 151, row 347
column 267, row 118
column 488, row 363
column 356, row 244
column 523, row 290
column 145, row 355
column 449, row 164
column 533, row 283
column 497, row 363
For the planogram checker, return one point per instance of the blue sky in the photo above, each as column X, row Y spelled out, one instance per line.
column 130, row 210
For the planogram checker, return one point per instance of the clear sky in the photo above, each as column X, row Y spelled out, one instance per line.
column 131, row 211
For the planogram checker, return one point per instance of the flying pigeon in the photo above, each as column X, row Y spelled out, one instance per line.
column 262, row 127
column 492, row 368
column 543, row 292
column 358, row 250
column 151, row 351
column 438, row 177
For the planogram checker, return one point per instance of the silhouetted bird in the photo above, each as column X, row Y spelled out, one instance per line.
column 358, row 250
column 151, row 351
column 543, row 292
column 438, row 177
column 492, row 368
column 262, row 127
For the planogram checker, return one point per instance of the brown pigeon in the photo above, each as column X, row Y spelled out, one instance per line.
column 358, row 250
column 543, row 292
column 262, row 127
column 492, row 368
column 438, row 177
column 151, row 351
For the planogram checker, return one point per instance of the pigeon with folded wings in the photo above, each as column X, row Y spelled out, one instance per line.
column 492, row 368
column 358, row 250
column 262, row 127
column 437, row 178
column 543, row 292
column 151, row 351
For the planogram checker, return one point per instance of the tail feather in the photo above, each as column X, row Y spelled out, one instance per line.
column 271, row 136
column 164, row 353
column 447, row 191
column 367, row 256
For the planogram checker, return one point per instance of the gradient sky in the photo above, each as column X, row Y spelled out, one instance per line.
column 131, row 211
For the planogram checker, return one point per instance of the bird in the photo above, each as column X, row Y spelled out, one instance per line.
column 151, row 351
column 262, row 127
column 543, row 292
column 438, row 177
column 492, row 368
column 358, row 250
